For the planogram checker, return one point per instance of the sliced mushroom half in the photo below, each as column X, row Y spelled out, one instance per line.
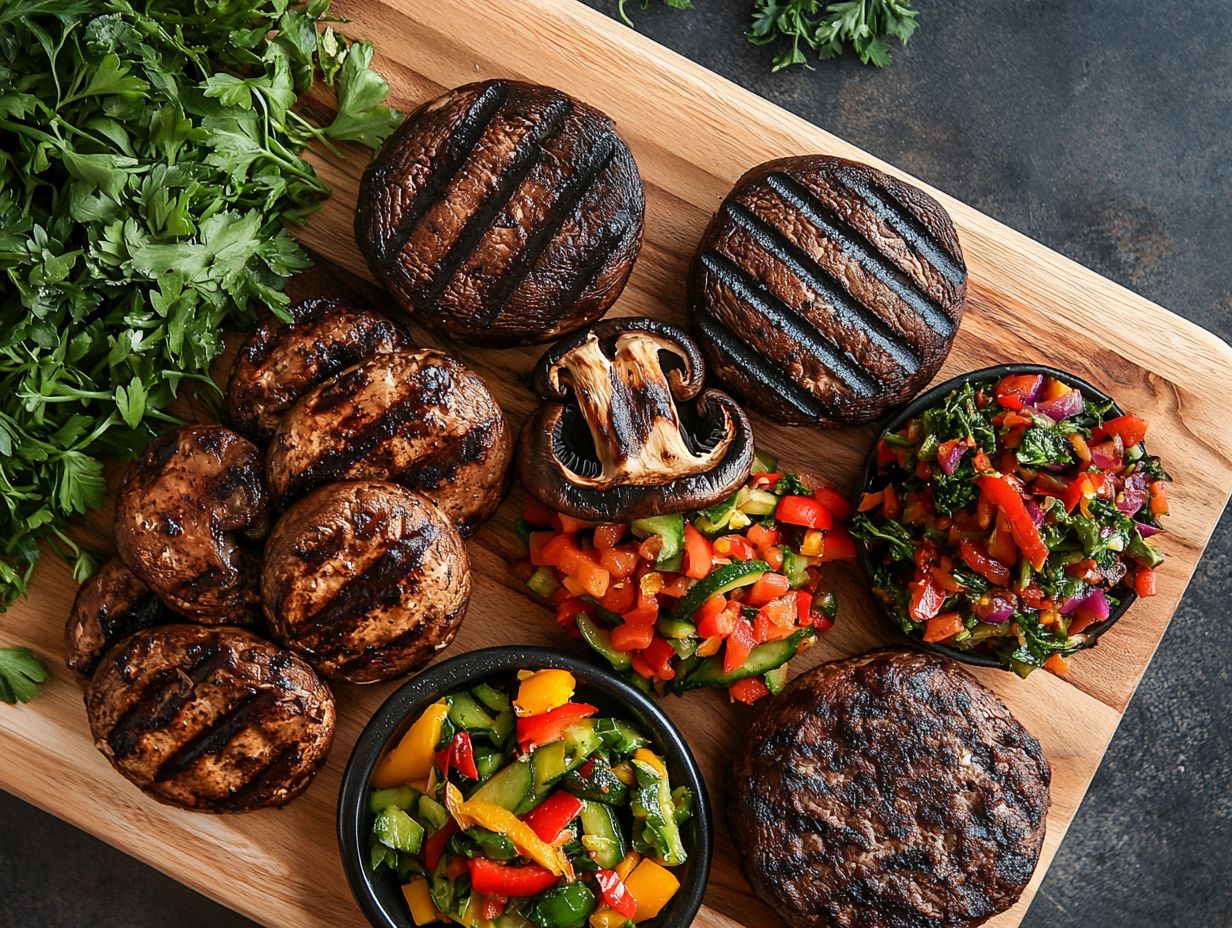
column 626, row 431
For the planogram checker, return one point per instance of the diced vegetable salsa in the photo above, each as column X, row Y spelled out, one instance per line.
column 1011, row 518
column 724, row 596
column 522, row 807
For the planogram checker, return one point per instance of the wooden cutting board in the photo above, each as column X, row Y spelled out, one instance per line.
column 693, row 134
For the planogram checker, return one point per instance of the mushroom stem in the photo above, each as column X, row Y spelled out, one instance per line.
column 628, row 406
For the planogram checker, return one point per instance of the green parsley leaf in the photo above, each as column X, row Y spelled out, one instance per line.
column 825, row 30
column 20, row 675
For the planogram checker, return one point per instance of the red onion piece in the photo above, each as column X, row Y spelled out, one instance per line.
column 1064, row 406
column 949, row 461
column 1109, row 455
column 1097, row 604
column 1034, row 511
column 1133, row 494
column 1146, row 531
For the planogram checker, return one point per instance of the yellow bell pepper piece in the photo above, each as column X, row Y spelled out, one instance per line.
column 412, row 759
column 653, row 887
column 603, row 917
column 628, row 864
column 812, row 544
column 423, row 909
column 468, row 813
column 544, row 691
column 624, row 773
column 651, row 760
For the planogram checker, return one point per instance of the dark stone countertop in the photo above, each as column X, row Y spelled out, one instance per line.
column 1104, row 130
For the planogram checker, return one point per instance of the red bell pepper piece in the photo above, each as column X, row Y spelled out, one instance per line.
column 632, row 636
column 769, row 586
column 1131, row 428
column 1159, row 498
column 804, row 608
column 740, row 643
column 803, row 510
column 609, row 535
column 658, row 656
column 926, row 599
column 697, row 553
column 491, row 907
column 838, row 545
column 1146, row 582
column 714, row 618
column 1004, row 495
column 495, row 878
column 990, row 569
column 552, row 816
column 735, row 547
column 748, row 691
column 1014, row 391
column 464, row 755
column 536, row 730
column 836, row 502
column 615, row 894
column 776, row 619
column 434, row 847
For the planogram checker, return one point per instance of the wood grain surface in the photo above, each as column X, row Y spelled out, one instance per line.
column 693, row 134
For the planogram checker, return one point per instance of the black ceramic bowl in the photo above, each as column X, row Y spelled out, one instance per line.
column 380, row 896
column 868, row 481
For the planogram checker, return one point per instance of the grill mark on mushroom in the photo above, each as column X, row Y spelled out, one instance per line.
column 512, row 175
column 458, row 149
column 822, row 282
column 784, row 319
column 569, row 198
column 859, row 249
column 594, row 263
column 214, row 738
column 759, row 368
column 887, row 209
column 266, row 777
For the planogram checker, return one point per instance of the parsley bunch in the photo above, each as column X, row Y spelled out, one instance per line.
column 150, row 161
column 807, row 24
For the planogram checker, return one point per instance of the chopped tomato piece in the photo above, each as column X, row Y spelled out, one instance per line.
column 870, row 501
column 1057, row 664
column 620, row 597
column 609, row 535
column 658, row 656
column 804, row 608
column 1146, row 582
column 630, row 637
column 698, row 557
column 943, row 626
column 1159, row 498
column 926, row 599
column 761, row 536
column 748, row 691
column 767, row 587
column 618, row 562
column 836, row 502
column 776, row 619
column 838, row 545
column 987, row 567
column 714, row 618
column 890, row 506
column 803, row 510
column 1130, row 428
column 885, row 454
column 570, row 524
column 739, row 644
column 734, row 547
column 1016, row 390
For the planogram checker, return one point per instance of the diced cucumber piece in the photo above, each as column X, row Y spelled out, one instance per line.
column 403, row 797
column 567, row 906
column 795, row 567
column 756, row 502
column 488, row 761
column 1143, row 552
column 509, row 787
column 502, row 728
column 722, row 580
column 670, row 627
column 493, row 699
column 684, row 647
column 670, row 530
column 601, row 834
column 395, row 829
column 480, row 842
column 466, row 713
column 600, row 639
column 598, row 784
column 619, row 736
column 776, row 679
column 763, row 658
column 581, row 740
column 549, row 764
column 543, row 582
column 432, row 812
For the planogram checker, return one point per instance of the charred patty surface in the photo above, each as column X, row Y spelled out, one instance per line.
column 189, row 514
column 502, row 213
column 367, row 580
column 210, row 719
column 418, row 418
column 825, row 291
column 282, row 361
column 891, row 790
column 111, row 605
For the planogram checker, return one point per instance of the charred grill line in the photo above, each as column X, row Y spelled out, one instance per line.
column 860, row 250
column 787, row 320
column 214, row 738
column 757, row 367
column 515, row 171
column 162, row 701
column 571, row 196
column 912, row 231
column 594, row 263
column 264, row 779
column 815, row 277
column 381, row 583
column 458, row 149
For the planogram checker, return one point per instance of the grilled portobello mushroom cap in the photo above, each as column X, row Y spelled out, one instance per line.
column 825, row 291
column 418, row 418
column 889, row 790
column 502, row 213
column 282, row 361
column 210, row 719
column 188, row 517
column 111, row 605
column 367, row 580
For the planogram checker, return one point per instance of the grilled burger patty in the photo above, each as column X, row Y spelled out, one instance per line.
column 111, row 605
column 282, row 361
column 502, row 213
column 210, row 719
column 418, row 418
column 184, row 512
column 365, row 579
column 825, row 291
column 891, row 790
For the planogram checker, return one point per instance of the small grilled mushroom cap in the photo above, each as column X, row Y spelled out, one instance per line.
column 184, row 511
column 627, row 431
column 111, row 605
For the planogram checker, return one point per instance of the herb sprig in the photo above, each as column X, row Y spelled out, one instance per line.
column 825, row 30
column 150, row 160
